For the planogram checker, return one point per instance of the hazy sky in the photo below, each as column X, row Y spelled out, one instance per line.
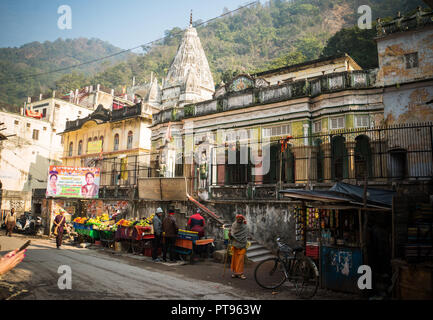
column 125, row 23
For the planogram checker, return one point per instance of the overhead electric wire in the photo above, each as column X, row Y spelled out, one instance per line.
column 123, row 51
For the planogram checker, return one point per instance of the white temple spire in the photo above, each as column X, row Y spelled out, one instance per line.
column 190, row 69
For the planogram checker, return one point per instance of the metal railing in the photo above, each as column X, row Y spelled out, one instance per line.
column 125, row 171
column 383, row 153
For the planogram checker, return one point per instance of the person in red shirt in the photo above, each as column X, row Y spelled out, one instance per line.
column 196, row 223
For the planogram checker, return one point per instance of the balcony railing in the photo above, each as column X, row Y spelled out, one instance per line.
column 257, row 96
column 126, row 112
column 419, row 19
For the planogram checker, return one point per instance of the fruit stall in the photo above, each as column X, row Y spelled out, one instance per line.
column 100, row 228
column 135, row 236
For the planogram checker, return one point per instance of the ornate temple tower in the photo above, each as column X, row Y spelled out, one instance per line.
column 189, row 79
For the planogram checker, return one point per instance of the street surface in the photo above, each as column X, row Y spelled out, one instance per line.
column 103, row 274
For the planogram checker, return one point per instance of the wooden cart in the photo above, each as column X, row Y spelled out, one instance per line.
column 188, row 244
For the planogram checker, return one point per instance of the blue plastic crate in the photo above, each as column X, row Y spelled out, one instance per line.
column 82, row 226
column 187, row 236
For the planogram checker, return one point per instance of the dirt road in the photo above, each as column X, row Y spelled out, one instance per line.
column 98, row 276
column 103, row 274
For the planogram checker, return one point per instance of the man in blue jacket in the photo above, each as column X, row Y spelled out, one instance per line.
column 157, row 230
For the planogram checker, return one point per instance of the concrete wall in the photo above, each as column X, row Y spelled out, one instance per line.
column 409, row 103
column 266, row 220
column 24, row 160
column 19, row 200
column 392, row 61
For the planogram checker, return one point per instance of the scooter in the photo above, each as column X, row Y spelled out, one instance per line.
column 23, row 223
column 27, row 224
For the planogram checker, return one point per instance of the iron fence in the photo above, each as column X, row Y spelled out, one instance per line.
column 124, row 171
column 384, row 153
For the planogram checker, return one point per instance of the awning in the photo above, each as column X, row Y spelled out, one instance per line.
column 374, row 196
column 343, row 193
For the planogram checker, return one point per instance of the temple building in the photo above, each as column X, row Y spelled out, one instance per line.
column 325, row 113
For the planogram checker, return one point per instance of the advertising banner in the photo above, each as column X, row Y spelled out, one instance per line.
column 72, row 182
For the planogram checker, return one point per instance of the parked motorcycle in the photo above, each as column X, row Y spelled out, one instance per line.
column 29, row 224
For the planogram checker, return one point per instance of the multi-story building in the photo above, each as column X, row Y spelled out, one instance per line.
column 315, row 123
column 123, row 133
column 35, row 143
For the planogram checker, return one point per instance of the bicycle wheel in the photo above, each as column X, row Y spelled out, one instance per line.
column 305, row 277
column 269, row 273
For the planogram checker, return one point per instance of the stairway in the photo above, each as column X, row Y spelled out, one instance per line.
column 256, row 252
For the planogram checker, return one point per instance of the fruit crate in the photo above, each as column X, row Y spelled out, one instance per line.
column 187, row 235
column 78, row 226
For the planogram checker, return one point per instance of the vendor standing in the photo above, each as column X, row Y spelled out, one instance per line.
column 238, row 235
column 157, row 232
column 58, row 227
column 196, row 223
column 170, row 229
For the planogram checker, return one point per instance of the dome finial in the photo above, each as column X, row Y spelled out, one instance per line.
column 190, row 19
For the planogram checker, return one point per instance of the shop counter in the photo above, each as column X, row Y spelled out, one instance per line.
column 339, row 267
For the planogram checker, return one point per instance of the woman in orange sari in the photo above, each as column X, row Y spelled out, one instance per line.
column 238, row 235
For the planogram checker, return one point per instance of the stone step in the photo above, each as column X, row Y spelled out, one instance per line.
column 261, row 258
column 259, row 252
column 255, row 246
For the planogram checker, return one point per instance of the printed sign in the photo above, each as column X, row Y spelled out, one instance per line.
column 72, row 182
column 94, row 146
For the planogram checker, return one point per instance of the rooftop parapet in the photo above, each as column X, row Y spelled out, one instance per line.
column 258, row 93
column 401, row 23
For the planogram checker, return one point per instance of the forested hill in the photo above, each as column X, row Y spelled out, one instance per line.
column 262, row 36
column 35, row 57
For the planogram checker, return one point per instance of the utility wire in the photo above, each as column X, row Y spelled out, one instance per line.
column 123, row 51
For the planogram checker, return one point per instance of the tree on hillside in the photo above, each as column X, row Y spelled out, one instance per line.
column 359, row 44
column 293, row 57
column 70, row 82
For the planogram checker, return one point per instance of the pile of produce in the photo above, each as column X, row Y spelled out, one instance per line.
column 104, row 227
column 92, row 221
column 80, row 220
column 124, row 223
column 145, row 222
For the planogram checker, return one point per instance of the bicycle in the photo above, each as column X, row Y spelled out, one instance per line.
column 290, row 264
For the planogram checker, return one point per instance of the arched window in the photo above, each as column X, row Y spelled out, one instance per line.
column 88, row 141
column 288, row 165
column 71, row 145
column 129, row 142
column 339, row 158
column 80, row 147
column 285, row 160
column 102, row 142
column 319, row 159
column 237, row 170
column 116, row 142
column 272, row 153
column 362, row 157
